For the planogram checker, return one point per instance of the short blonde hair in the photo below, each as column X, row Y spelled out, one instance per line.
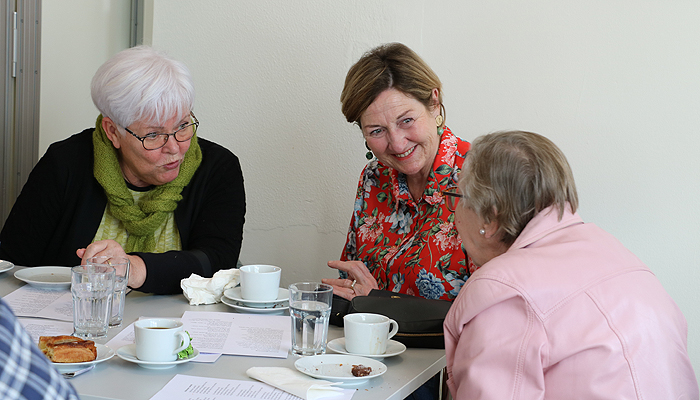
column 511, row 176
column 392, row 65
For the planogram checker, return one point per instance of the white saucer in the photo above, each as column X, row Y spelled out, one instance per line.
column 5, row 266
column 235, row 294
column 128, row 353
column 104, row 353
column 45, row 277
column 393, row 348
column 275, row 308
column 338, row 368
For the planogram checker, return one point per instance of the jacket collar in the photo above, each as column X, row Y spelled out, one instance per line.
column 544, row 223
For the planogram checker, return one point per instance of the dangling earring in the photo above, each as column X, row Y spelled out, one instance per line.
column 369, row 154
column 482, row 232
column 438, row 120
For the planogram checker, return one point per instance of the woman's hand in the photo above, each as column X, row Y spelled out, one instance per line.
column 110, row 248
column 358, row 273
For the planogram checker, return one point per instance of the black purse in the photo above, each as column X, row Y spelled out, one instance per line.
column 420, row 320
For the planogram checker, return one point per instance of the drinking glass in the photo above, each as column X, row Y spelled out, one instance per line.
column 91, row 287
column 121, row 278
column 310, row 308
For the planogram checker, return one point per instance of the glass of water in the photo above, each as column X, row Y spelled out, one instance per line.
column 310, row 308
column 91, row 287
column 121, row 279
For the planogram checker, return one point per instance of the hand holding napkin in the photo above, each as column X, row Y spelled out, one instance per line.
column 295, row 382
column 200, row 290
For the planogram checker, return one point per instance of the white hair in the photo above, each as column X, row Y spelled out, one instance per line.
column 142, row 84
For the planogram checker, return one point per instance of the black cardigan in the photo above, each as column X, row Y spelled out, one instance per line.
column 61, row 206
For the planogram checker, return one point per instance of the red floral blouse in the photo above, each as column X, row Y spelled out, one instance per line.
column 410, row 247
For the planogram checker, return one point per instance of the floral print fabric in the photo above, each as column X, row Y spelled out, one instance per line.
column 410, row 247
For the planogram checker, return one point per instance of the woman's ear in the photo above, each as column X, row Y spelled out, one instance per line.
column 112, row 132
column 491, row 228
column 435, row 103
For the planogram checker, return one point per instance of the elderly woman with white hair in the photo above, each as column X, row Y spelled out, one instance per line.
column 559, row 308
column 141, row 184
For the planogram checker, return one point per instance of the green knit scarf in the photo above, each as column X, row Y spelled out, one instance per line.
column 140, row 221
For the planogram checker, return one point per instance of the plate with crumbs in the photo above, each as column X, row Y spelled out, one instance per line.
column 338, row 368
column 45, row 277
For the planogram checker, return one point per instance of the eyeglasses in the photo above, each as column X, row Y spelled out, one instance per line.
column 451, row 197
column 156, row 140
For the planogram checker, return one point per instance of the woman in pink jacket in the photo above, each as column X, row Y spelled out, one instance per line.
column 560, row 309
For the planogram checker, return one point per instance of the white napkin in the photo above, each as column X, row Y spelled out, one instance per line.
column 295, row 382
column 200, row 290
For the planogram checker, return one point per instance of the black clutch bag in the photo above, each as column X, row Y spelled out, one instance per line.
column 420, row 320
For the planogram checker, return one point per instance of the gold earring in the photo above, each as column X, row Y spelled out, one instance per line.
column 438, row 120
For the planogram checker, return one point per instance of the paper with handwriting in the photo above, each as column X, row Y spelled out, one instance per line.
column 239, row 334
column 186, row 387
column 29, row 301
column 45, row 327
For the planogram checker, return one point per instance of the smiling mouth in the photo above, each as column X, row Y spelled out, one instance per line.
column 406, row 153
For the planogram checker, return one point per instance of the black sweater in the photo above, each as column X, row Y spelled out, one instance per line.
column 61, row 206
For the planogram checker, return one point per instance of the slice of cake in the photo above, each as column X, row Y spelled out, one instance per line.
column 67, row 349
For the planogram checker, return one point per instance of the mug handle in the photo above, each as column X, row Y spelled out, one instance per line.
column 394, row 329
column 185, row 342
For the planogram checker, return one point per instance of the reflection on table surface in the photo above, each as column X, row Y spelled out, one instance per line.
column 120, row 379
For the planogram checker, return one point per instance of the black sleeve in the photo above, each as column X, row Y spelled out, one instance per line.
column 210, row 221
column 34, row 216
column 58, row 210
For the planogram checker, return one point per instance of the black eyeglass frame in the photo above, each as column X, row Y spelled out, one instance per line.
column 454, row 195
column 167, row 135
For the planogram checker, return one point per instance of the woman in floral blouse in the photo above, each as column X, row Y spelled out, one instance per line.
column 402, row 236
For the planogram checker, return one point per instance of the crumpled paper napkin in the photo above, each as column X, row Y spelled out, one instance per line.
column 200, row 290
column 295, row 382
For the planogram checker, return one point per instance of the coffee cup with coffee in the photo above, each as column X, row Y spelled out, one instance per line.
column 368, row 334
column 159, row 339
column 260, row 282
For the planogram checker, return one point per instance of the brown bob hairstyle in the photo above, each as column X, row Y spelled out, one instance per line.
column 392, row 65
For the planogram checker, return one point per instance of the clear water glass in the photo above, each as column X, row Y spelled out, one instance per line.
column 121, row 266
column 310, row 309
column 91, row 287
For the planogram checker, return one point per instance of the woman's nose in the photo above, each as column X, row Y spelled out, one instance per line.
column 396, row 138
column 172, row 146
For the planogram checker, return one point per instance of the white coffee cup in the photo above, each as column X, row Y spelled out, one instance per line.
column 368, row 334
column 159, row 339
column 260, row 282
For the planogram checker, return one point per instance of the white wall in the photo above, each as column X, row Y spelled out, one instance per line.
column 616, row 84
column 77, row 36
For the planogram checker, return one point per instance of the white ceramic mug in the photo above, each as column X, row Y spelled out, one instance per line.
column 368, row 334
column 159, row 339
column 260, row 282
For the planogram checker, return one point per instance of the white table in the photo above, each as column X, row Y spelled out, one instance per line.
column 119, row 379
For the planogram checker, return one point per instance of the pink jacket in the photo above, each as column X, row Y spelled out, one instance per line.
column 566, row 313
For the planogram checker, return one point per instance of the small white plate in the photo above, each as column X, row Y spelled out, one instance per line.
column 338, row 368
column 5, row 266
column 104, row 353
column 235, row 294
column 276, row 308
column 128, row 353
column 393, row 348
column 45, row 277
